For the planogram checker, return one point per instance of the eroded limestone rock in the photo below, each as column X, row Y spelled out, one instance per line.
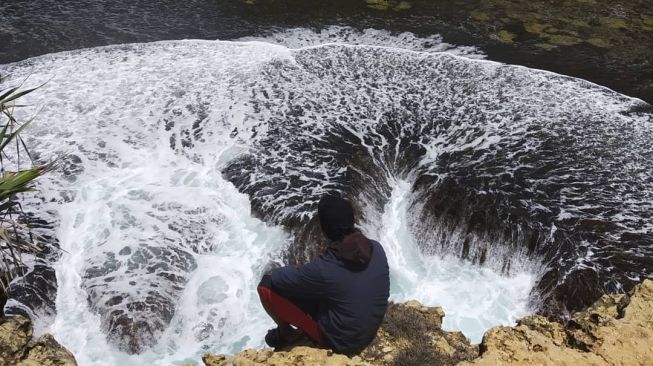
column 615, row 330
column 18, row 349
column 410, row 335
column 297, row 356
column 15, row 334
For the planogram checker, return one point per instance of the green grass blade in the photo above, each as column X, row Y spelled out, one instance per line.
column 3, row 132
column 18, row 182
column 18, row 95
column 6, row 94
column 15, row 133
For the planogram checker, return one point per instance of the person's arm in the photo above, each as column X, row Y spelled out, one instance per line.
column 304, row 281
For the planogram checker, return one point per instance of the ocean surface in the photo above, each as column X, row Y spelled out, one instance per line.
column 189, row 166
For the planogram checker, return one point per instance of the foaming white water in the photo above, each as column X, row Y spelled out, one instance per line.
column 140, row 219
column 474, row 298
column 302, row 37
column 153, row 125
column 218, row 309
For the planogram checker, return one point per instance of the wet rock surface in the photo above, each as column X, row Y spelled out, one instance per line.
column 615, row 330
column 18, row 349
column 606, row 42
column 33, row 290
column 134, row 322
column 501, row 172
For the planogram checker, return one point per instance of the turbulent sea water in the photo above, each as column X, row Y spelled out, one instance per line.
column 496, row 190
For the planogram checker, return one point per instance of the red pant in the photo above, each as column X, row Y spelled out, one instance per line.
column 290, row 313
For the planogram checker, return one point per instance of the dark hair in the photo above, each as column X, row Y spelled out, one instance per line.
column 336, row 217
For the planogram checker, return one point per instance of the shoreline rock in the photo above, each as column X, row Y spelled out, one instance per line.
column 18, row 349
column 615, row 330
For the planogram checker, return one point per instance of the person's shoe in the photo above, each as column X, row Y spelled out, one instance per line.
column 275, row 340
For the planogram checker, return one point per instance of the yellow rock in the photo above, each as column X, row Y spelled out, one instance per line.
column 403, row 5
column 48, row 352
column 413, row 304
column 580, row 23
column 296, row 356
column 378, row 4
column 647, row 19
column 615, row 330
column 407, row 326
column 536, row 28
column 213, row 360
column 480, row 16
column 611, row 339
column 15, row 334
column 504, row 36
column 563, row 40
column 614, row 23
column 442, row 344
column 598, row 42
column 546, row 46
column 18, row 349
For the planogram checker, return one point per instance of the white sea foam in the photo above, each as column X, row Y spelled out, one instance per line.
column 152, row 126
column 133, row 192
column 302, row 37
column 473, row 298
column 218, row 307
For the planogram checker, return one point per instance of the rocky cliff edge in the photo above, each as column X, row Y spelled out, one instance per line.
column 615, row 330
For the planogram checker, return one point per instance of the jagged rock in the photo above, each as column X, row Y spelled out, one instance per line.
column 297, row 356
column 616, row 330
column 18, row 349
column 410, row 335
column 48, row 352
column 15, row 334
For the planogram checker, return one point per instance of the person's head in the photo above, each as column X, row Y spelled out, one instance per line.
column 336, row 217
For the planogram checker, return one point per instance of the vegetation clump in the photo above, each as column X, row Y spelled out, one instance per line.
column 17, row 174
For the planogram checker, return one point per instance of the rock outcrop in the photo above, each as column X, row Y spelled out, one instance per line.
column 297, row 356
column 410, row 335
column 18, row 349
column 617, row 331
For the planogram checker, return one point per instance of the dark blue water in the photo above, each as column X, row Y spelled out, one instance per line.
column 34, row 27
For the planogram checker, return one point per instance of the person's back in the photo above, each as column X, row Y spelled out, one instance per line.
column 345, row 290
column 355, row 302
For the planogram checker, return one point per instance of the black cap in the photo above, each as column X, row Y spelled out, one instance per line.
column 336, row 217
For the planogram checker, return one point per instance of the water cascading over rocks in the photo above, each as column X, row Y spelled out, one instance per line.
column 504, row 164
